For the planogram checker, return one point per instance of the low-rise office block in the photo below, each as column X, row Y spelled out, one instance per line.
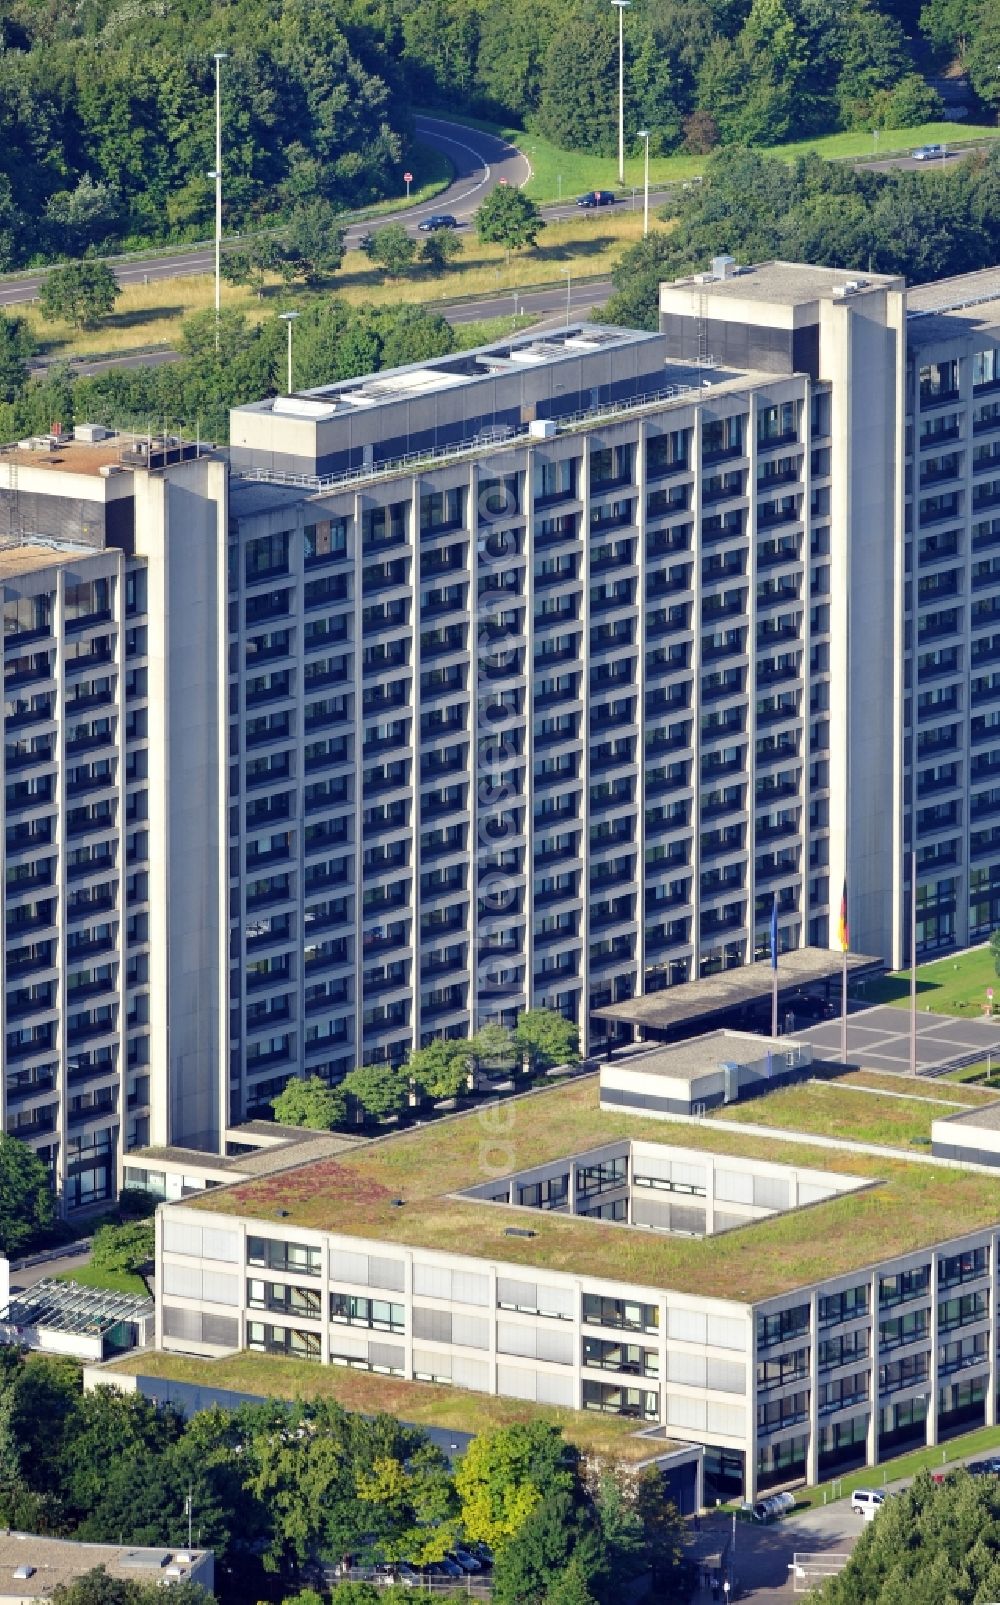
column 794, row 1305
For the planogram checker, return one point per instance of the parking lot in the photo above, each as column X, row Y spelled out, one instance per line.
column 764, row 1551
column 879, row 1039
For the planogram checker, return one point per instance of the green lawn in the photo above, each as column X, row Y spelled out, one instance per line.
column 934, row 1089
column 113, row 1281
column 561, row 174
column 983, row 1073
column 953, row 985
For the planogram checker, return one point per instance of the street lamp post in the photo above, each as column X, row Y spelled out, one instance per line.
column 220, row 57
column 569, row 281
column 621, row 6
column 644, row 135
column 289, row 318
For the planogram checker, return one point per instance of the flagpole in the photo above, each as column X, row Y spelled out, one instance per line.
column 913, row 964
column 774, row 967
column 845, row 942
column 843, row 1006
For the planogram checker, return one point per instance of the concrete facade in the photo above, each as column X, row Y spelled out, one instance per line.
column 527, row 676
column 105, row 1042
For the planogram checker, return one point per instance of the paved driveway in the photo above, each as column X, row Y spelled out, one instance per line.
column 764, row 1550
column 879, row 1039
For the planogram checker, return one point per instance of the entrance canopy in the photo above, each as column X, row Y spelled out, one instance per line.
column 692, row 1002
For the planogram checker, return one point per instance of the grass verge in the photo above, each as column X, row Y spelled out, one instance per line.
column 150, row 314
column 432, row 172
column 984, row 1074
column 904, row 1466
column 423, row 1404
column 558, row 174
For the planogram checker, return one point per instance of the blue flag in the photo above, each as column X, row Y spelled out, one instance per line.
column 774, row 934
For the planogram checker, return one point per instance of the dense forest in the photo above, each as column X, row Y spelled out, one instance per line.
column 107, row 110
column 107, row 117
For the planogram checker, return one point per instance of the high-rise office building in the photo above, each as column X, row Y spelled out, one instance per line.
column 112, row 565
column 531, row 675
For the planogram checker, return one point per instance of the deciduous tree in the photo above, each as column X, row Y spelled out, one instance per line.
column 391, row 249
column 504, row 1474
column 441, row 1070
column 27, row 1208
column 381, row 1090
column 509, row 218
column 81, row 293
column 545, row 1038
column 310, row 1101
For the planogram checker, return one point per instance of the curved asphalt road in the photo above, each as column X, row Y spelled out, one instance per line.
column 481, row 161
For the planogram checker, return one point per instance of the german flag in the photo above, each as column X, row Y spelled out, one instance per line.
column 842, row 929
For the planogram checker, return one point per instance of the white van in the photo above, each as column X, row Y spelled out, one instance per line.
column 867, row 1502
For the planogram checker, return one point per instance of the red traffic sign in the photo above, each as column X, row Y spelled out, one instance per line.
column 503, row 182
column 407, row 178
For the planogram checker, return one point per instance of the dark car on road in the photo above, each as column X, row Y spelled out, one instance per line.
column 597, row 197
column 437, row 220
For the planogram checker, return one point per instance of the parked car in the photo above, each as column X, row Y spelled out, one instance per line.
column 597, row 197
column 867, row 1502
column 437, row 220
column 408, row 1577
column 468, row 1562
column 927, row 153
column 447, row 1568
column 980, row 1468
column 761, row 1510
column 805, row 1006
column 784, row 1501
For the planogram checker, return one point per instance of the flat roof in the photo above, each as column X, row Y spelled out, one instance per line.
column 951, row 295
column 283, row 1148
column 695, row 1000
column 697, row 1056
column 445, row 1412
column 402, row 1189
column 28, row 557
column 70, row 456
column 987, row 1118
column 785, row 283
column 61, row 1560
column 415, row 379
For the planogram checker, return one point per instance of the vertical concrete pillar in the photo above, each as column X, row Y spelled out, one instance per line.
column 812, row 1448
column 932, row 1397
column 873, row 1416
